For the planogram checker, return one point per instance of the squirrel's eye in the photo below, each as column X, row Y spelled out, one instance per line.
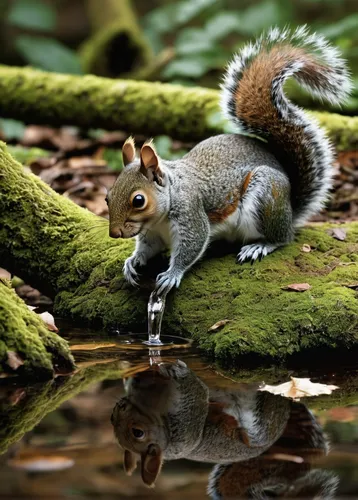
column 138, row 433
column 138, row 201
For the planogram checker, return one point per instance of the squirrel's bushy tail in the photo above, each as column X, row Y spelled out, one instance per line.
column 253, row 97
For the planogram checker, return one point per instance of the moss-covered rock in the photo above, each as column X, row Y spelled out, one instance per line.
column 135, row 106
column 65, row 251
column 24, row 334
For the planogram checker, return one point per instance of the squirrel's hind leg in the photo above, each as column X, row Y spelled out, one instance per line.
column 267, row 203
column 255, row 251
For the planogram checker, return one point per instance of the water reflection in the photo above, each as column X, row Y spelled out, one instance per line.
column 262, row 445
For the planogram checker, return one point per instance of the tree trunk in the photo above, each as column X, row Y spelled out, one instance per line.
column 26, row 344
column 66, row 252
column 117, row 46
column 189, row 114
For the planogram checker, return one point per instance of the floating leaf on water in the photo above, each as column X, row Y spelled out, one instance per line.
column 41, row 463
column 14, row 360
column 338, row 233
column 218, row 325
column 297, row 287
column 298, row 388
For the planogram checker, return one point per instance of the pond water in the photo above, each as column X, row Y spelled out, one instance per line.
column 183, row 426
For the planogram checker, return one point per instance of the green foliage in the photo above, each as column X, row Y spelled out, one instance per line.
column 206, row 33
column 48, row 54
column 12, row 129
column 40, row 51
column 32, row 14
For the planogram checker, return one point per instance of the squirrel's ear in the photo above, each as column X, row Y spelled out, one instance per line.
column 128, row 151
column 151, row 464
column 129, row 462
column 149, row 164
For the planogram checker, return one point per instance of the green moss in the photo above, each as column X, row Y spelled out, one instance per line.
column 188, row 114
column 24, row 332
column 27, row 155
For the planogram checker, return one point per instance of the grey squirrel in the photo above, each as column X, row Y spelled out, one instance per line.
column 232, row 186
column 262, row 445
column 285, row 470
column 169, row 413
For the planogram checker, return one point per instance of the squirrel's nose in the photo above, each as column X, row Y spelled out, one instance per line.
column 115, row 232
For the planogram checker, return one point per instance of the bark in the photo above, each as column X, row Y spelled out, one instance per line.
column 118, row 46
column 24, row 333
column 189, row 114
column 65, row 251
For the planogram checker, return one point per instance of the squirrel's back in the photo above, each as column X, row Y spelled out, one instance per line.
column 253, row 98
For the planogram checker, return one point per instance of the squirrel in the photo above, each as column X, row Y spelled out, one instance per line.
column 262, row 445
column 285, row 470
column 169, row 413
column 254, row 190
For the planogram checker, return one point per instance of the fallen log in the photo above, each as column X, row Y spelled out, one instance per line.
column 189, row 114
column 66, row 252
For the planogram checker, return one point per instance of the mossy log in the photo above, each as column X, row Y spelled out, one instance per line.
column 117, row 46
column 24, row 334
column 151, row 109
column 65, row 251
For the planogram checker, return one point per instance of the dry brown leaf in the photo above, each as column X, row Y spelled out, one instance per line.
column 297, row 287
column 91, row 347
column 338, row 233
column 306, row 248
column 5, row 274
column 298, row 388
column 41, row 463
column 49, row 320
column 218, row 325
column 14, row 360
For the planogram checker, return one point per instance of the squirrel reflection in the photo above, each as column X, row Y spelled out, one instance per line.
column 263, row 445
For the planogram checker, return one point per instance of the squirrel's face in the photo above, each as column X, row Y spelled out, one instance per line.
column 135, row 199
column 136, row 429
column 140, row 435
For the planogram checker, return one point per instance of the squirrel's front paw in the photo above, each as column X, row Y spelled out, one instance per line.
column 168, row 280
column 129, row 271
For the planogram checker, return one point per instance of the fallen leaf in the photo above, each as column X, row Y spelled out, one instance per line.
column 41, row 463
column 306, row 248
column 49, row 320
column 338, row 233
column 297, row 287
column 5, row 274
column 14, row 360
column 218, row 325
column 298, row 388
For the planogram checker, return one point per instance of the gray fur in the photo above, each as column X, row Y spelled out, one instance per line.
column 278, row 197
